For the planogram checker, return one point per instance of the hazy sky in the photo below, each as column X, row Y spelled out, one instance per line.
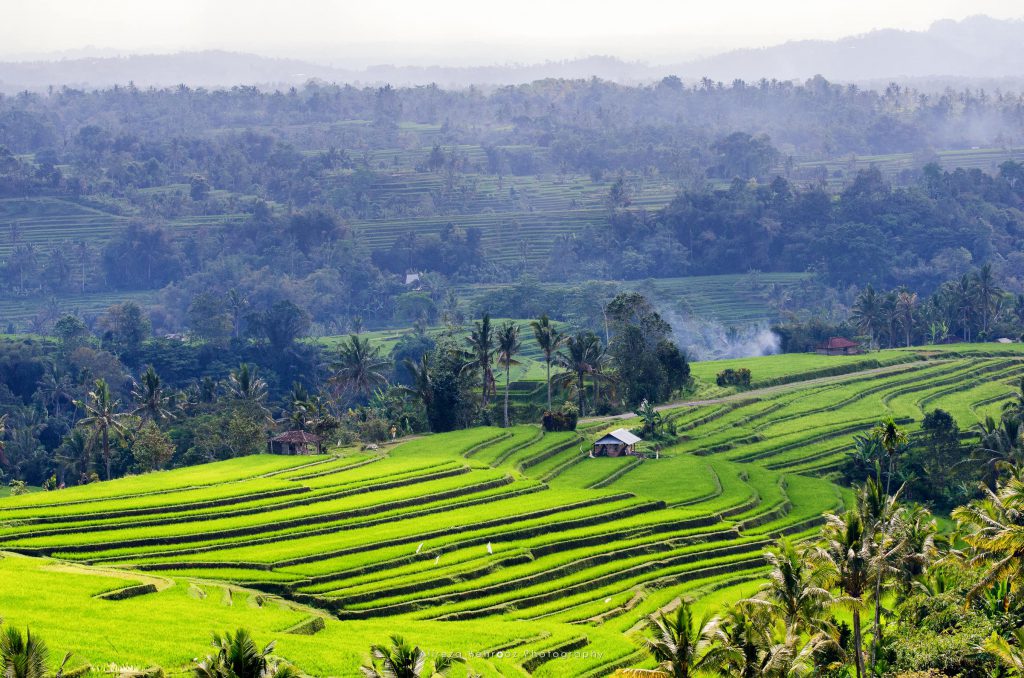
column 360, row 32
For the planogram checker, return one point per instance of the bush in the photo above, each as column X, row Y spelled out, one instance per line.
column 731, row 377
column 562, row 420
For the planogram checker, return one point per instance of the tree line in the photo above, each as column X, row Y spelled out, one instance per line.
column 80, row 407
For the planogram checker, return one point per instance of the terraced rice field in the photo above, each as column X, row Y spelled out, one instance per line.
column 510, row 544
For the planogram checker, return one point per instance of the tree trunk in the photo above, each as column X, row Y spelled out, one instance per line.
column 508, row 369
column 858, row 645
column 106, row 451
column 582, row 395
column 548, row 360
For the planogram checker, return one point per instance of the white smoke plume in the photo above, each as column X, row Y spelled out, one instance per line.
column 710, row 340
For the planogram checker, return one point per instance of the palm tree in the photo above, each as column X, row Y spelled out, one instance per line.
column 964, row 293
column 867, row 313
column 995, row 532
column 795, row 591
column 893, row 440
column 422, row 380
column 481, row 344
column 151, row 402
column 906, row 303
column 1015, row 408
column 508, row 346
column 360, row 369
column 245, row 384
column 845, row 557
column 684, row 646
column 579, row 357
column 403, row 660
column 986, row 292
column 102, row 417
column 238, row 656
column 1011, row 655
column 55, row 387
column 25, row 656
column 1000, row 444
column 548, row 339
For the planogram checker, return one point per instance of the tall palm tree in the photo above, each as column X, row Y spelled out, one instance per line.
column 986, row 293
column 795, row 592
column 508, row 346
column 867, row 313
column 994, row 529
column 579, row 356
column 102, row 417
column 845, row 557
column 151, row 402
column 906, row 302
column 422, row 380
column 402, row 659
column 238, row 656
column 549, row 340
column 893, row 440
column 966, row 299
column 481, row 344
column 684, row 646
column 56, row 388
column 360, row 369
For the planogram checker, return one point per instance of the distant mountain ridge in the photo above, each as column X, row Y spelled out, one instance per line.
column 978, row 47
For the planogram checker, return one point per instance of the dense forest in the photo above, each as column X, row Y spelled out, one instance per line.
column 277, row 181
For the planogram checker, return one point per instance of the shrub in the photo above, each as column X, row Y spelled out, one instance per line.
column 731, row 377
column 562, row 420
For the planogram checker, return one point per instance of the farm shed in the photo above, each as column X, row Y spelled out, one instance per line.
column 838, row 346
column 295, row 442
column 615, row 444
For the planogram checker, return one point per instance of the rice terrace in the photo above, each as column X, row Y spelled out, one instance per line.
column 510, row 546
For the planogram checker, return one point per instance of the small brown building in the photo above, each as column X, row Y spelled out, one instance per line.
column 296, row 442
column 838, row 346
column 616, row 444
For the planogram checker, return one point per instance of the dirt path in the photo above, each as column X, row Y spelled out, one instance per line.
column 768, row 390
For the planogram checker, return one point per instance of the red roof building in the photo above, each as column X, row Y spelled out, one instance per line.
column 838, row 346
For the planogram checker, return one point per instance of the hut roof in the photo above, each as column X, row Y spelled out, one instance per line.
column 839, row 342
column 297, row 438
column 618, row 437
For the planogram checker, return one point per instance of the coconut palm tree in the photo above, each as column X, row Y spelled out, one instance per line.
column 867, row 313
column 845, row 558
column 684, row 646
column 402, row 659
column 994, row 530
column 508, row 346
column 360, row 369
column 906, row 303
column 245, row 384
column 422, row 380
column 795, row 592
column 893, row 440
column 481, row 344
column 25, row 656
column 56, row 388
column 549, row 340
column 999, row 445
column 102, row 417
column 579, row 356
column 986, row 293
column 151, row 402
column 238, row 656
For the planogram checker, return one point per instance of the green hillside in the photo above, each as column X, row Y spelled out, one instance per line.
column 561, row 554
